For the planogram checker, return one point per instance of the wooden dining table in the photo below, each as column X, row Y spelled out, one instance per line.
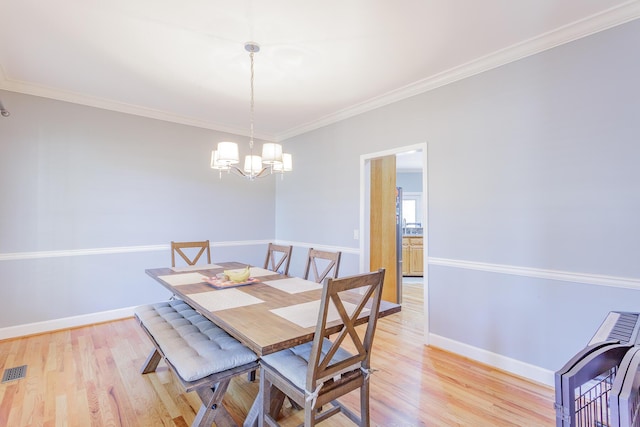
column 269, row 313
column 255, row 314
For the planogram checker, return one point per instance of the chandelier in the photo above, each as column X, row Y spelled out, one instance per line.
column 226, row 158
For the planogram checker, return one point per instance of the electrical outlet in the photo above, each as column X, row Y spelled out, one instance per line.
column 356, row 234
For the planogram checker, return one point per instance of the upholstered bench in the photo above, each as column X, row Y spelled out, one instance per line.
column 202, row 355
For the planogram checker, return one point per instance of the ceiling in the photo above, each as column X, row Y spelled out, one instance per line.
column 320, row 61
column 410, row 161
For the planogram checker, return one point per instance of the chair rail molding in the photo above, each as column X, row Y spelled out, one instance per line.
column 539, row 273
column 343, row 249
column 115, row 250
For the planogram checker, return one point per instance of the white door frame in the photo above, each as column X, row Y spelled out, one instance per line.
column 365, row 184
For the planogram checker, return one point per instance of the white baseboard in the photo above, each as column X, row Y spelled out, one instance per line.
column 64, row 323
column 513, row 366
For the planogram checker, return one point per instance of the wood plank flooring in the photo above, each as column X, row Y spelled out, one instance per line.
column 90, row 377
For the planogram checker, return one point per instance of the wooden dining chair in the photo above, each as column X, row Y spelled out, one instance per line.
column 316, row 374
column 324, row 260
column 202, row 247
column 276, row 256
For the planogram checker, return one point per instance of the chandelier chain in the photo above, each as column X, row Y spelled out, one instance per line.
column 251, row 106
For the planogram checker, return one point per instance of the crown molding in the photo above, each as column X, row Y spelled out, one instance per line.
column 120, row 107
column 624, row 13
column 585, row 27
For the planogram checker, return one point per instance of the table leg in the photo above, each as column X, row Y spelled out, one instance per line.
column 276, row 398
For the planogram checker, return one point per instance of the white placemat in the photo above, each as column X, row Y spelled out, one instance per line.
column 293, row 285
column 257, row 272
column 305, row 315
column 195, row 267
column 183, row 279
column 224, row 299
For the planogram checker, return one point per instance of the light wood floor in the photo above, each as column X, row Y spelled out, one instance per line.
column 90, row 377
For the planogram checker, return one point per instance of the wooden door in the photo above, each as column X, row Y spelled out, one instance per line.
column 383, row 224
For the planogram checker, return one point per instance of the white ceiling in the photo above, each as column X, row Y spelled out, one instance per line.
column 409, row 161
column 320, row 61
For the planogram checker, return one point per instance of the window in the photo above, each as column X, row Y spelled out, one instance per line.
column 411, row 208
column 409, row 211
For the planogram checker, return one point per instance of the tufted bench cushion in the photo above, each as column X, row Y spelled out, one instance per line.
column 194, row 345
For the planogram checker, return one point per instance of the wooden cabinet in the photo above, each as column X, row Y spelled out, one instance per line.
column 417, row 262
column 412, row 256
column 406, row 268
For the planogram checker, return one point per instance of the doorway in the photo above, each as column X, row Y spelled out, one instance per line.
column 366, row 207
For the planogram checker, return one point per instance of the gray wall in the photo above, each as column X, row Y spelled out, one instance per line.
column 76, row 180
column 409, row 181
column 532, row 165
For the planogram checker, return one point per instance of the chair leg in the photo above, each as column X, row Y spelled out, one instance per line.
column 309, row 415
column 151, row 363
column 364, row 404
column 265, row 389
column 255, row 412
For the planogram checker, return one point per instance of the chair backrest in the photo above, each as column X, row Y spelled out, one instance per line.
column 189, row 257
column 368, row 287
column 328, row 260
column 276, row 256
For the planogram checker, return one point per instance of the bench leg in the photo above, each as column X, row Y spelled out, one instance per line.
column 152, row 361
column 212, row 409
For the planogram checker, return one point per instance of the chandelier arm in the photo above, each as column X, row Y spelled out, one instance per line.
column 263, row 172
column 237, row 171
